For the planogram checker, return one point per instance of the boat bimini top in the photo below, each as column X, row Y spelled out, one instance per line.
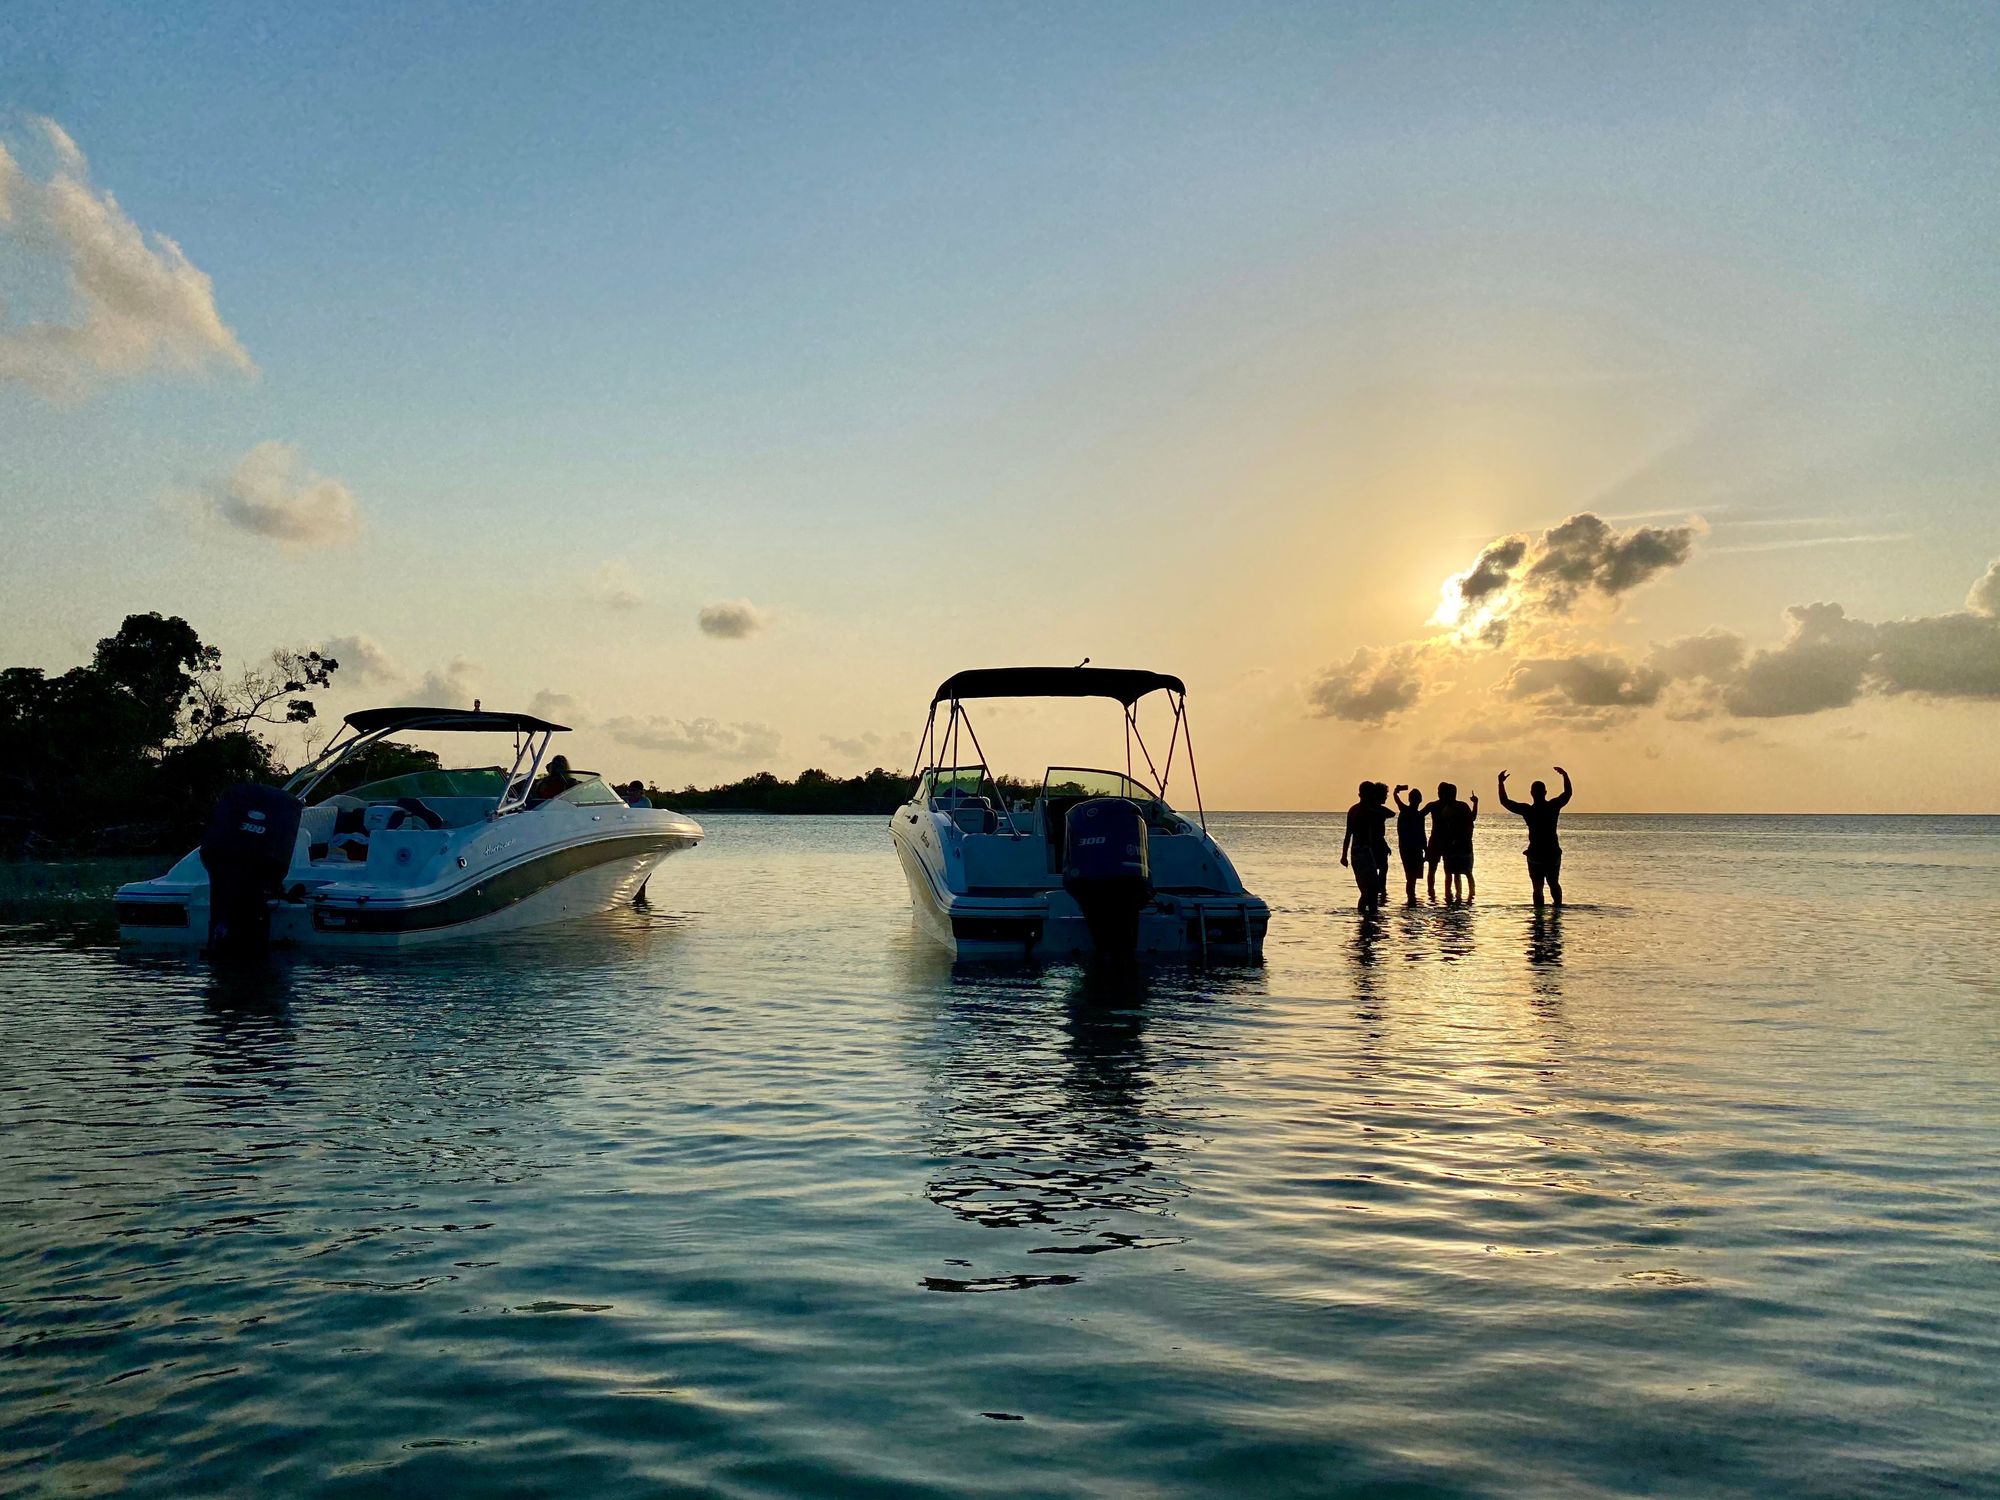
column 937, row 749
column 366, row 726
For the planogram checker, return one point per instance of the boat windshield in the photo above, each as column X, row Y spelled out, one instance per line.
column 955, row 781
column 483, row 781
column 1077, row 782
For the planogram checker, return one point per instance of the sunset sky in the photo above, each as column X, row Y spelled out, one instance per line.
column 1435, row 388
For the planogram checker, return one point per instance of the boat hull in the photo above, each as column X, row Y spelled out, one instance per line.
column 550, row 885
column 1047, row 924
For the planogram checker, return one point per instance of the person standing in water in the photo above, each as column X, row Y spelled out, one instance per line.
column 1410, row 841
column 1366, row 843
column 1545, row 855
column 1451, row 842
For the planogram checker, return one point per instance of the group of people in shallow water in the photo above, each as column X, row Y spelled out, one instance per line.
column 1429, row 834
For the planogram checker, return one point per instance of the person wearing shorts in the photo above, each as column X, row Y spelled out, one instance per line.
column 1544, row 851
column 1458, row 849
column 1365, row 847
column 1410, row 840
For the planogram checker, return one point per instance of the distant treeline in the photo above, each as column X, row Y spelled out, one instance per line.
column 879, row 792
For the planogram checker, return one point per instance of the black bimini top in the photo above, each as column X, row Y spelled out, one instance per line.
column 445, row 720
column 1126, row 684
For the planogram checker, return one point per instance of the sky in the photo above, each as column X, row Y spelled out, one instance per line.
column 1437, row 389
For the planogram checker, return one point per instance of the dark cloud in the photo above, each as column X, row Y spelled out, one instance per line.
column 1589, row 680
column 730, row 620
column 1370, row 687
column 1823, row 663
column 1584, row 553
column 1548, row 574
column 1493, row 569
column 1946, row 656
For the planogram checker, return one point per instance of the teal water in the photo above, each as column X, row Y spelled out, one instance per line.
column 1694, row 1190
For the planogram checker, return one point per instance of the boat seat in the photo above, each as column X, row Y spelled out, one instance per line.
column 973, row 814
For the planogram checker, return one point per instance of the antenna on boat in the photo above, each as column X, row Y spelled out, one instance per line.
column 475, row 705
column 1084, row 663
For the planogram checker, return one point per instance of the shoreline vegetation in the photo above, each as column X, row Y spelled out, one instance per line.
column 812, row 793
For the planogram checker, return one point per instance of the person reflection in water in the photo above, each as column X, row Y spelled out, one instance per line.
column 1367, row 843
column 1410, row 840
column 1545, row 855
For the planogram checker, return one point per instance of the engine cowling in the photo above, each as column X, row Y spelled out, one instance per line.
column 246, row 850
column 1107, row 871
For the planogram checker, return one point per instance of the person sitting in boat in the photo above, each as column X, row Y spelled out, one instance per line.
column 555, row 779
column 634, row 793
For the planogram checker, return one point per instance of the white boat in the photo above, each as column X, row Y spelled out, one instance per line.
column 413, row 859
column 1095, row 863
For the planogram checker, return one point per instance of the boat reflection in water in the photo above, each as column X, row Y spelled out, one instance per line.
column 1060, row 1109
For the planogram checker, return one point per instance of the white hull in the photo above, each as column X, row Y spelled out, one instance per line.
column 530, row 869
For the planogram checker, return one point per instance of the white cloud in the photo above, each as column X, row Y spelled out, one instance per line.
column 363, row 661
column 615, row 586
column 731, row 619
column 271, row 494
column 706, row 738
column 135, row 304
column 1984, row 597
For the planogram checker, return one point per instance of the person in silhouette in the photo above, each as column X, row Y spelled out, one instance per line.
column 1365, row 847
column 556, row 778
column 1410, row 840
column 1451, row 843
column 1544, row 851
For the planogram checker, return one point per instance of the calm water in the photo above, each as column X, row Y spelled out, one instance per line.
column 1695, row 1191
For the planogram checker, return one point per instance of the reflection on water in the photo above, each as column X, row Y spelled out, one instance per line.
column 1668, row 1191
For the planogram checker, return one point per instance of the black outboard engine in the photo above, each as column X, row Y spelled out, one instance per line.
column 246, row 851
column 1107, row 872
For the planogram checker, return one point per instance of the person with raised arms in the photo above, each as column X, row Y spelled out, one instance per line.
column 1544, row 851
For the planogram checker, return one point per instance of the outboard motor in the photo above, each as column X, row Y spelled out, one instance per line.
column 1107, row 872
column 246, row 851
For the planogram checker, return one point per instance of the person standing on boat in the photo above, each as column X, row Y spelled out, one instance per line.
column 1410, row 841
column 1544, row 851
column 1366, row 843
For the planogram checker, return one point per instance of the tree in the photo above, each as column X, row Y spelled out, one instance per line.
column 217, row 708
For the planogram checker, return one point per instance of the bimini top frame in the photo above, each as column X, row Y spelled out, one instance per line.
column 1123, row 685
column 366, row 726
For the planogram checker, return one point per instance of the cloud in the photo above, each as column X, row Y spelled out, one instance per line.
column 731, row 619
column 1712, row 656
column 1522, row 576
column 448, row 686
column 1828, row 660
column 559, row 707
column 1944, row 656
column 861, row 747
column 1589, row 680
column 708, row 738
column 1984, row 597
column 1822, row 664
column 363, row 662
column 614, row 586
column 135, row 304
column 270, row 494
column 1370, row 687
